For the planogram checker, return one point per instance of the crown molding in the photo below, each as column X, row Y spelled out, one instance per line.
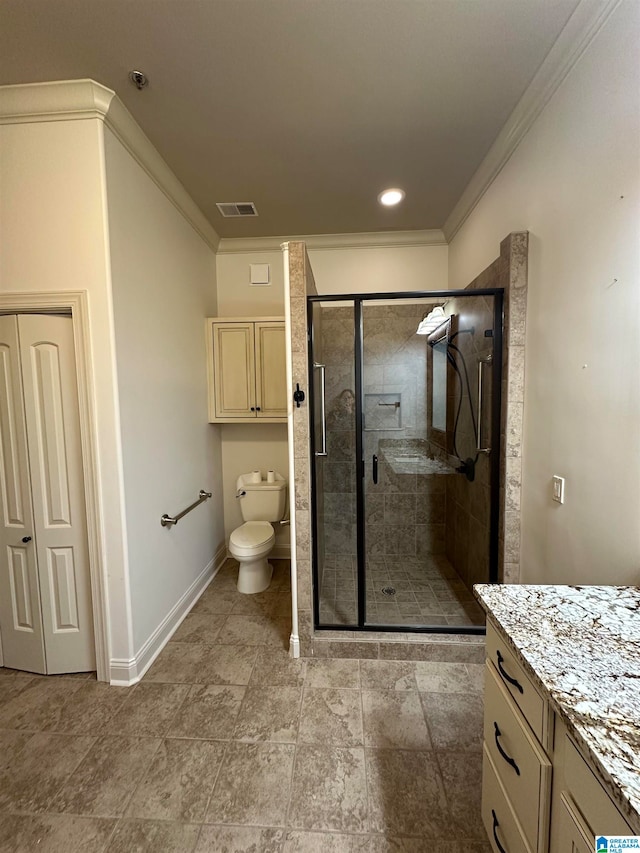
column 317, row 242
column 582, row 27
column 72, row 100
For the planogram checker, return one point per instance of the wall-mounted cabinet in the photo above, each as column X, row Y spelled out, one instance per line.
column 247, row 372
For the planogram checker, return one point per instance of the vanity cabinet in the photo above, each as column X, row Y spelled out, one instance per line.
column 539, row 793
column 247, row 370
column 516, row 793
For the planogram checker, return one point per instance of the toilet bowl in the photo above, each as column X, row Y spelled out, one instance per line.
column 261, row 502
column 250, row 544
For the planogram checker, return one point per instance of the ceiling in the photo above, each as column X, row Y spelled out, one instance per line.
column 306, row 107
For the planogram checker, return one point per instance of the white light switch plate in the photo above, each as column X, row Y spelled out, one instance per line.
column 558, row 489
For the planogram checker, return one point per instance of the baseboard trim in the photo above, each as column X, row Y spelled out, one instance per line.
column 125, row 673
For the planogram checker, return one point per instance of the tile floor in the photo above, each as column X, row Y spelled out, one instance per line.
column 229, row 745
column 427, row 592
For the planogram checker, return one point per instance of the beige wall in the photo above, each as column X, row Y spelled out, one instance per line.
column 163, row 276
column 573, row 184
column 54, row 238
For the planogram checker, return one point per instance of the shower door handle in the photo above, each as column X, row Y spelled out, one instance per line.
column 322, row 368
column 375, row 470
column 481, row 362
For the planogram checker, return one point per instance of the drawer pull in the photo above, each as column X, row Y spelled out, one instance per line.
column 495, row 834
column 506, row 757
column 505, row 675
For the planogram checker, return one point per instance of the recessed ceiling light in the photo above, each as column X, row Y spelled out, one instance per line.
column 391, row 196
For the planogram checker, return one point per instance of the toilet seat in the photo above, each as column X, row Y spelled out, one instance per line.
column 251, row 536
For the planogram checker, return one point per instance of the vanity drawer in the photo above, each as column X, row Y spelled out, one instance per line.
column 574, row 836
column 518, row 683
column 521, row 764
column 589, row 795
column 503, row 830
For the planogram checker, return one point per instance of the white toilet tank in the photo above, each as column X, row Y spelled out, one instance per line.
column 262, row 501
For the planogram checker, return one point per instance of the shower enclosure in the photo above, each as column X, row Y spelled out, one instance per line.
column 405, row 458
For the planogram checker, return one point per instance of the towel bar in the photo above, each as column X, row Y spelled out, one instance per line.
column 168, row 520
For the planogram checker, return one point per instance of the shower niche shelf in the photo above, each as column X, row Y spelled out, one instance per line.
column 382, row 412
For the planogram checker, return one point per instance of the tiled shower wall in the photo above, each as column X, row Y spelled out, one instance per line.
column 405, row 510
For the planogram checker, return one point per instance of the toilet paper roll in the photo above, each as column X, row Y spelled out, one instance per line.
column 271, row 476
column 255, row 477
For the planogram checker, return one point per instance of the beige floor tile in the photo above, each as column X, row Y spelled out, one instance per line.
column 239, row 839
column 11, row 742
column 148, row 709
column 276, row 668
column 151, row 836
column 216, row 601
column 253, row 785
column 199, row 628
column 178, row 782
column 331, row 716
column 259, row 604
column 454, row 720
column 30, row 781
column 437, row 677
column 210, row 711
column 39, row 705
column 278, row 632
column 54, row 834
column 269, row 714
column 329, row 790
column 103, row 783
column 462, row 777
column 91, row 707
column 406, row 794
column 317, row 842
column 387, row 675
column 333, row 673
column 223, row 664
column 476, row 674
column 178, row 663
column 243, row 630
column 11, row 686
column 394, row 719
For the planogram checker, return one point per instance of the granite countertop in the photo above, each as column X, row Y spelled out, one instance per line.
column 581, row 645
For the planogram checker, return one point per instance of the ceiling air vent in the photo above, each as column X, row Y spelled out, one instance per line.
column 237, row 208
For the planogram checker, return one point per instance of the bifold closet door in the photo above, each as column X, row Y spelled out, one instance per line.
column 20, row 616
column 59, row 537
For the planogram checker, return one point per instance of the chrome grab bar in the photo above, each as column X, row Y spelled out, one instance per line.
column 481, row 361
column 168, row 520
column 322, row 368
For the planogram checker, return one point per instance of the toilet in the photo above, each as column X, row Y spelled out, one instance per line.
column 261, row 502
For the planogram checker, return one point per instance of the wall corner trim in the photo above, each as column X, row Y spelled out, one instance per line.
column 317, row 242
column 73, row 100
column 582, row 27
column 125, row 673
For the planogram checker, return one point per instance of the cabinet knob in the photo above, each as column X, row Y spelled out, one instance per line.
column 257, row 408
column 253, row 408
column 26, row 539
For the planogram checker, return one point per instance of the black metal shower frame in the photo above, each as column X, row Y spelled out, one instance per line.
column 496, row 407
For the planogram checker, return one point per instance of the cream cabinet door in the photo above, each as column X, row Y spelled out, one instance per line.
column 271, row 387
column 234, row 370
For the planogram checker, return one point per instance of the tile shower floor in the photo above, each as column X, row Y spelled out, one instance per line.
column 229, row 745
column 427, row 591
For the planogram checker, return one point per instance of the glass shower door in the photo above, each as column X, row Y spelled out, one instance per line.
column 333, row 411
column 427, row 418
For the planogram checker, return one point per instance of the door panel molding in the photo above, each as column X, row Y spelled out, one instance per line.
column 52, row 451
column 77, row 303
column 21, row 592
column 10, row 469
